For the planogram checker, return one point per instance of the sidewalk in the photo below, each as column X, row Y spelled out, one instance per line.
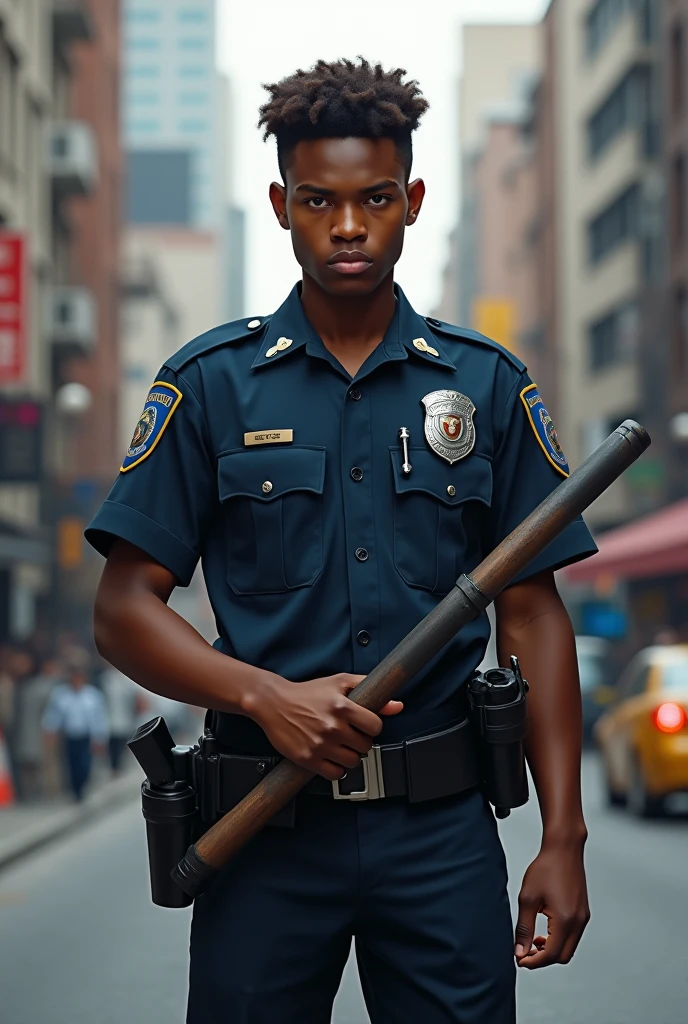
column 25, row 827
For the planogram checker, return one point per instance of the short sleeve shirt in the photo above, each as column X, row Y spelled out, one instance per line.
column 259, row 455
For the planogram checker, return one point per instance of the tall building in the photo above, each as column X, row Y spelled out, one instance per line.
column 497, row 65
column 173, row 114
column 605, row 83
column 59, row 220
column 675, row 45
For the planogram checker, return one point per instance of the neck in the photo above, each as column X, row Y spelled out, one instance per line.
column 355, row 324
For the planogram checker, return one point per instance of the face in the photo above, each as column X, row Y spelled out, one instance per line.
column 347, row 205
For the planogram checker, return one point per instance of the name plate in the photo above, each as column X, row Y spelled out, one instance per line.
column 269, row 437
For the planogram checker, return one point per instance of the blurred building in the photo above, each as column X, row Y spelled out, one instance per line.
column 675, row 47
column 59, row 217
column 609, row 258
column 497, row 67
column 173, row 113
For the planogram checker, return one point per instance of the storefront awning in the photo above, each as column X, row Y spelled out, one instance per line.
column 656, row 545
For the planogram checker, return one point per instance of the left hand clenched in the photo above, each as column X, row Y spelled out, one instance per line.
column 554, row 885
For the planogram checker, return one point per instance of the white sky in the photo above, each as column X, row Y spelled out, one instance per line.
column 264, row 40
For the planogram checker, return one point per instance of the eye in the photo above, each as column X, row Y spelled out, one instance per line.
column 316, row 202
column 380, row 200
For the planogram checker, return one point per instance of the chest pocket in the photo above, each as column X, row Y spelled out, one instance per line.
column 439, row 517
column 272, row 506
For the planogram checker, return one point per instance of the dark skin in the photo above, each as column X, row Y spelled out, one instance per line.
column 343, row 196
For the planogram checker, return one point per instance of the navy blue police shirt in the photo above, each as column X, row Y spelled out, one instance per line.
column 258, row 454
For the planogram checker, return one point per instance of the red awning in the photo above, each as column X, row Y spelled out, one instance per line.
column 656, row 545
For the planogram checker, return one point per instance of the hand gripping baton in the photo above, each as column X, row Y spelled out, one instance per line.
column 471, row 595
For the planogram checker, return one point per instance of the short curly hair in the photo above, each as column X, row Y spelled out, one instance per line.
column 340, row 100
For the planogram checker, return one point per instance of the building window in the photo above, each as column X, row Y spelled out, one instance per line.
column 602, row 21
column 143, row 127
column 143, row 43
column 194, row 43
column 193, row 125
column 677, row 71
column 612, row 117
column 617, row 224
column 143, row 98
column 193, row 99
column 193, row 71
column 143, row 71
column 613, row 338
column 192, row 17
column 143, row 16
column 679, row 201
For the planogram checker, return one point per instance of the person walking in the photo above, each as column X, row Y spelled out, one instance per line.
column 31, row 699
column 77, row 711
column 124, row 700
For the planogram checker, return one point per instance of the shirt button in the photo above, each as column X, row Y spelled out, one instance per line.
column 357, row 473
column 451, row 490
column 363, row 638
column 361, row 554
column 355, row 395
column 267, row 487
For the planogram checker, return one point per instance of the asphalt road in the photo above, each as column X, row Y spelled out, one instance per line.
column 80, row 942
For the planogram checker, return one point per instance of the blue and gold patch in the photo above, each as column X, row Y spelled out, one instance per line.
column 545, row 431
column 163, row 399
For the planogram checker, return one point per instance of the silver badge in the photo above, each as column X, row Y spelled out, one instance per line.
column 449, row 427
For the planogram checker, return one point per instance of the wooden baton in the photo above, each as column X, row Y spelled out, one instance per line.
column 468, row 599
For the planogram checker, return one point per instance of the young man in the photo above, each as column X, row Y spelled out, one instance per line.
column 270, row 449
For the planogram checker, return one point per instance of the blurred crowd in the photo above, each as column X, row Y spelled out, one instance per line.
column 63, row 709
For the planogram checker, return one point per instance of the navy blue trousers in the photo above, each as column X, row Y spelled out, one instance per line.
column 422, row 887
column 79, row 760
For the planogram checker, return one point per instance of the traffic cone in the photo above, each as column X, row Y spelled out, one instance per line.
column 6, row 787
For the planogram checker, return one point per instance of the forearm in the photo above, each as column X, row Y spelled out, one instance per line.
column 542, row 638
column 150, row 643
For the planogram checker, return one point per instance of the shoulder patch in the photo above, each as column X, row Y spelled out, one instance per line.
column 162, row 400
column 225, row 334
column 466, row 334
column 544, row 429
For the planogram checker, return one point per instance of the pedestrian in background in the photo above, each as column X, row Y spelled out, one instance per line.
column 18, row 665
column 125, row 702
column 31, row 698
column 77, row 711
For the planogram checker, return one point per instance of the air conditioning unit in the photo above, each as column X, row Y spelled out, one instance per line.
column 72, row 158
column 72, row 318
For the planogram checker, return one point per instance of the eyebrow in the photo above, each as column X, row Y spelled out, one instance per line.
column 370, row 190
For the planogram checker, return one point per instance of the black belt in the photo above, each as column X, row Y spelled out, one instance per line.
column 423, row 768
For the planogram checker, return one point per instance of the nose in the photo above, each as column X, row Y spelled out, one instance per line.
column 349, row 225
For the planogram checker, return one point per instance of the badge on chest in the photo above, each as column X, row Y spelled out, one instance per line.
column 449, row 427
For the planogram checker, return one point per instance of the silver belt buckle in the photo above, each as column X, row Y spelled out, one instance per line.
column 373, row 781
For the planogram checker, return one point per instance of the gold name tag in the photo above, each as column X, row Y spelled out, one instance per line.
column 269, row 437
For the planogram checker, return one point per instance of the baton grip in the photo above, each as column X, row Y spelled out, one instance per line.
column 219, row 844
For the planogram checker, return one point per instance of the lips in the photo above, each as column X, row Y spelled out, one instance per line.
column 354, row 262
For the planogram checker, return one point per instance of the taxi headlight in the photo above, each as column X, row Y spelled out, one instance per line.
column 669, row 717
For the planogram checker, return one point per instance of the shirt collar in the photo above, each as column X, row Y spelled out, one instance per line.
column 289, row 330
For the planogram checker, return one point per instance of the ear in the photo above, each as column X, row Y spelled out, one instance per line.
column 278, row 198
column 415, row 193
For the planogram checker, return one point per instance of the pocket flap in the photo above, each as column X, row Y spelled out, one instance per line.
column 269, row 474
column 470, row 479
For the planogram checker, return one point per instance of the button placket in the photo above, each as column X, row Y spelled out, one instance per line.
column 359, row 526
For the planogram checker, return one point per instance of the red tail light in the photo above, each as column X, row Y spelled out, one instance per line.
column 669, row 717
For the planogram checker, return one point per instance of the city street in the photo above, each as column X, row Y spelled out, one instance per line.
column 81, row 943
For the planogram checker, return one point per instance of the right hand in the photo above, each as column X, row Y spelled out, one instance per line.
column 315, row 725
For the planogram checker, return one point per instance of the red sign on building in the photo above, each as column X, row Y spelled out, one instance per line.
column 13, row 306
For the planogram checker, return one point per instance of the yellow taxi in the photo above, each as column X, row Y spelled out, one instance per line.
column 643, row 737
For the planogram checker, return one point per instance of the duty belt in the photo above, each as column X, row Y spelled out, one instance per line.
column 426, row 767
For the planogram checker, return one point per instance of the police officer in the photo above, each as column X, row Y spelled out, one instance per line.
column 335, row 467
